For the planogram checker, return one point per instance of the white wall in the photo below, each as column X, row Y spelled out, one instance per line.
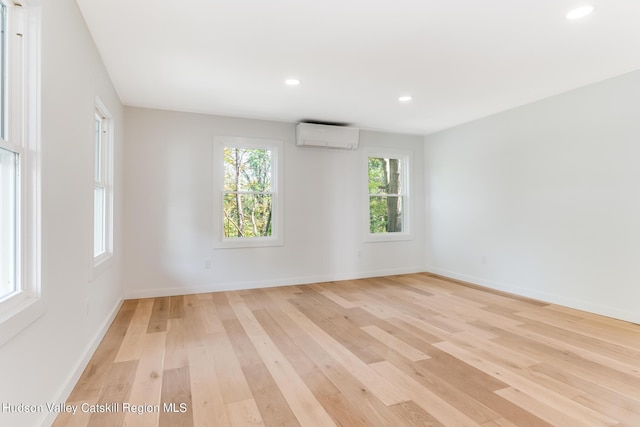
column 168, row 223
column 548, row 196
column 41, row 363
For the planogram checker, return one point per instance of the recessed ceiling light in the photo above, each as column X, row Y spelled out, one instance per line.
column 580, row 12
column 405, row 98
column 292, row 82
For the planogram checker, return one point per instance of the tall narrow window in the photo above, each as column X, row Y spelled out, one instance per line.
column 11, row 150
column 248, row 194
column 249, row 200
column 388, row 200
column 102, row 185
column 20, row 296
column 4, row 74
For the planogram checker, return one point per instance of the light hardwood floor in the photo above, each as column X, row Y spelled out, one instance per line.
column 393, row 351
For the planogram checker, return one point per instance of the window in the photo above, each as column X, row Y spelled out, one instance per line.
column 12, row 155
column 247, row 202
column 102, row 185
column 20, row 295
column 4, row 74
column 248, row 194
column 10, row 152
column 9, row 232
column 387, row 196
column 9, row 179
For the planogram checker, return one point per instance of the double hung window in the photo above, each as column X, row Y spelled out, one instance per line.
column 20, row 293
column 387, row 195
column 247, row 200
column 102, row 185
column 12, row 162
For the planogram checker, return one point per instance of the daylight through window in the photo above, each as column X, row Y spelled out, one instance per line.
column 21, row 299
column 247, row 203
column 11, row 149
column 102, row 185
column 387, row 194
column 248, row 195
column 9, row 204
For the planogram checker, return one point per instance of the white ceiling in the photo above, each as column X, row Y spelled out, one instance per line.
column 459, row 59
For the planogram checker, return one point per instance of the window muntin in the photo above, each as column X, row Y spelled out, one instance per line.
column 387, row 197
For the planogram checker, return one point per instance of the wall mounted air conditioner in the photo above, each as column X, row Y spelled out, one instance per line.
column 327, row 136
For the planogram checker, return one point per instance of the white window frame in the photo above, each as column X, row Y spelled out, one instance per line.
column 276, row 148
column 405, row 157
column 22, row 110
column 104, row 180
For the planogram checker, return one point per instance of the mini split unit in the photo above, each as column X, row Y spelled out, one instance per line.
column 327, row 136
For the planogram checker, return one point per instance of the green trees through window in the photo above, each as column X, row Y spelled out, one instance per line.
column 248, row 192
column 386, row 201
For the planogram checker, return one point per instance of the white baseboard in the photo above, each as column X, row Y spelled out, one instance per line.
column 237, row 286
column 74, row 376
column 552, row 298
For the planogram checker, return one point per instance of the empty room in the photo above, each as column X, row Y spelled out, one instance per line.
column 238, row 213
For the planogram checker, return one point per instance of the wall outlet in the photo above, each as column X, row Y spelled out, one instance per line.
column 484, row 259
column 207, row 264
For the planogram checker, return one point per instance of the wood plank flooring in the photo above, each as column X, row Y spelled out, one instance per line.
column 411, row 350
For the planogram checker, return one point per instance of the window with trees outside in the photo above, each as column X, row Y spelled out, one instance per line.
column 20, row 296
column 250, row 205
column 387, row 196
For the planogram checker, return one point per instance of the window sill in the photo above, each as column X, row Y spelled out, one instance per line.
column 248, row 243
column 387, row 237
